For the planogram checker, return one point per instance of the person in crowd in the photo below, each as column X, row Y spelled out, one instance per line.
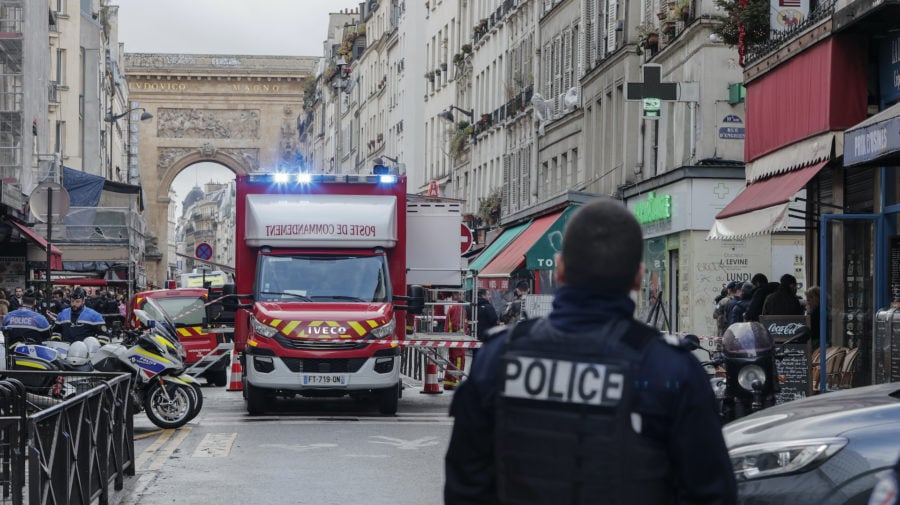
column 784, row 301
column 738, row 311
column 554, row 406
column 439, row 312
column 57, row 305
column 4, row 304
column 25, row 324
column 761, row 289
column 486, row 314
column 720, row 314
column 456, row 315
column 16, row 299
column 120, row 304
column 78, row 322
column 513, row 310
column 812, row 315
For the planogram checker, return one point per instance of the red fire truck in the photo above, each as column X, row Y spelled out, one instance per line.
column 321, row 297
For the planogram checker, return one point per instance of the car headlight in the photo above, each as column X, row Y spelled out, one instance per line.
column 751, row 373
column 778, row 458
column 383, row 331
column 262, row 329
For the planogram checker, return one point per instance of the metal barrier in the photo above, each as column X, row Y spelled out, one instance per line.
column 64, row 451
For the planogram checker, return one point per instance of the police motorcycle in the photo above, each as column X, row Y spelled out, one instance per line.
column 160, row 388
column 749, row 357
column 48, row 389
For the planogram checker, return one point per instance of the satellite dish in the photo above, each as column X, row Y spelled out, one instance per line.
column 39, row 201
column 541, row 111
column 573, row 98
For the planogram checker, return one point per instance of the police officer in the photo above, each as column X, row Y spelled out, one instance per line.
column 77, row 322
column 24, row 324
column 588, row 405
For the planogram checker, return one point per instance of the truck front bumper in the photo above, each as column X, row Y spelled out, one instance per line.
column 296, row 374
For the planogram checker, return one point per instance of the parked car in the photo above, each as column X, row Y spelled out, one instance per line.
column 185, row 306
column 828, row 449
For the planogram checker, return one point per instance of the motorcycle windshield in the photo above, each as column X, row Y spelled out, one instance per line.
column 747, row 340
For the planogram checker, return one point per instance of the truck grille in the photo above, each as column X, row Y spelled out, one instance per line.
column 315, row 345
column 351, row 365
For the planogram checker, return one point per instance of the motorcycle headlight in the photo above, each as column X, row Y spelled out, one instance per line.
column 383, row 331
column 779, row 458
column 262, row 329
column 751, row 373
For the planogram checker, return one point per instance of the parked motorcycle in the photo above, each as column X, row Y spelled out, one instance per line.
column 160, row 388
column 749, row 357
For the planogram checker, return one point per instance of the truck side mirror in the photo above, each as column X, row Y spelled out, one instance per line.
column 222, row 307
column 415, row 300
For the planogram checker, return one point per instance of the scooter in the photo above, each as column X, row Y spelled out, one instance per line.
column 749, row 357
column 160, row 388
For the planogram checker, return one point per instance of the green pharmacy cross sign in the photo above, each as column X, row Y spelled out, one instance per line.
column 651, row 91
column 653, row 209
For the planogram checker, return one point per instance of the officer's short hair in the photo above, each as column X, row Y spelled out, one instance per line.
column 602, row 246
column 28, row 298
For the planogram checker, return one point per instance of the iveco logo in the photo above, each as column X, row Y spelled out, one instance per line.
column 326, row 330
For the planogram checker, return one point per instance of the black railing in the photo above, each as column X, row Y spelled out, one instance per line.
column 782, row 37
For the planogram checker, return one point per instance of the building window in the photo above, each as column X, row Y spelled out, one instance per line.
column 61, row 67
column 61, row 6
column 60, row 146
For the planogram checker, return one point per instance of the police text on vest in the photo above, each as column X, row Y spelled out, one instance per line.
column 562, row 381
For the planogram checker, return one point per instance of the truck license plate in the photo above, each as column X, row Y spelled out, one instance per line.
column 324, row 380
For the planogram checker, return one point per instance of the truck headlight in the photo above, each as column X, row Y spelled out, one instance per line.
column 384, row 331
column 262, row 329
column 778, row 458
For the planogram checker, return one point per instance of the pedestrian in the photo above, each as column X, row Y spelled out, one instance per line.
column 486, row 314
column 25, row 324
column 57, row 305
column 720, row 313
column 738, row 311
column 16, row 300
column 4, row 304
column 78, row 322
column 812, row 315
column 784, row 301
column 513, row 310
column 588, row 405
column 761, row 289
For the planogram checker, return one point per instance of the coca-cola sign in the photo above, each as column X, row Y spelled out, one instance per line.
column 783, row 327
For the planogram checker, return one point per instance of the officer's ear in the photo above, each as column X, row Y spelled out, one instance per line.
column 560, row 269
column 638, row 278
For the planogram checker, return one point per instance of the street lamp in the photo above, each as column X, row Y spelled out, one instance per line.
column 111, row 118
column 448, row 116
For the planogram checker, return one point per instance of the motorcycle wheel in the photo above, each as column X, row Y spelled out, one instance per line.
column 198, row 400
column 169, row 405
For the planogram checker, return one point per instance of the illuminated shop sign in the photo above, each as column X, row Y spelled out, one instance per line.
column 655, row 208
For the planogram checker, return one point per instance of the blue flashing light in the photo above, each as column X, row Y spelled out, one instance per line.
column 280, row 178
column 387, row 179
column 304, row 178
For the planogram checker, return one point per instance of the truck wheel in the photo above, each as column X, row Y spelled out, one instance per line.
column 218, row 378
column 257, row 400
column 388, row 399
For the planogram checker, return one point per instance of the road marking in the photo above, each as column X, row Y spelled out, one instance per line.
column 162, row 448
column 405, row 445
column 215, row 445
column 301, row 448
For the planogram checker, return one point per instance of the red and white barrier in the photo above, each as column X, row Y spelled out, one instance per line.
column 235, row 374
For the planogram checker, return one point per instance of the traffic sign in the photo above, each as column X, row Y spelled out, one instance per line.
column 203, row 251
column 465, row 239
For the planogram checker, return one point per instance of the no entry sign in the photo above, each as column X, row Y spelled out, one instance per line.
column 465, row 239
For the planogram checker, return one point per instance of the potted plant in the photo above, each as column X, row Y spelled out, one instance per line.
column 684, row 9
column 648, row 35
column 466, row 48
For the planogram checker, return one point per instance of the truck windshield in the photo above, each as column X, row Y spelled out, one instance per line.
column 184, row 311
column 310, row 278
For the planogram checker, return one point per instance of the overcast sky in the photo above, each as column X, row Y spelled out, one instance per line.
column 267, row 27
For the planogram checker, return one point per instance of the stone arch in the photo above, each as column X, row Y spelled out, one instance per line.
column 241, row 167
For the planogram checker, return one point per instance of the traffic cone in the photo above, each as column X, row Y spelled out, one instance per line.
column 451, row 376
column 235, row 374
column 432, row 380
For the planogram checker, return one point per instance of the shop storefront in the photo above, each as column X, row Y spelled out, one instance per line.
column 860, row 249
column 684, row 270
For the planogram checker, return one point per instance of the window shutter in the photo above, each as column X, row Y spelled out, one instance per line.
column 611, row 13
column 506, row 177
column 525, row 175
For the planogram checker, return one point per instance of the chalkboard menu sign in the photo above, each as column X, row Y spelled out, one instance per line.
column 794, row 367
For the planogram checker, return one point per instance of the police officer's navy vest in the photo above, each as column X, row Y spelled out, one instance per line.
column 564, row 426
column 25, row 325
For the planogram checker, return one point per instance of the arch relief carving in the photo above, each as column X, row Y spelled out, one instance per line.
column 246, row 157
column 207, row 123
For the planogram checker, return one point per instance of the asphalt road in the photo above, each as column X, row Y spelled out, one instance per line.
column 305, row 452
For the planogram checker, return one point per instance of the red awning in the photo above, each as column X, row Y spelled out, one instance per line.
column 55, row 254
column 762, row 206
column 512, row 257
